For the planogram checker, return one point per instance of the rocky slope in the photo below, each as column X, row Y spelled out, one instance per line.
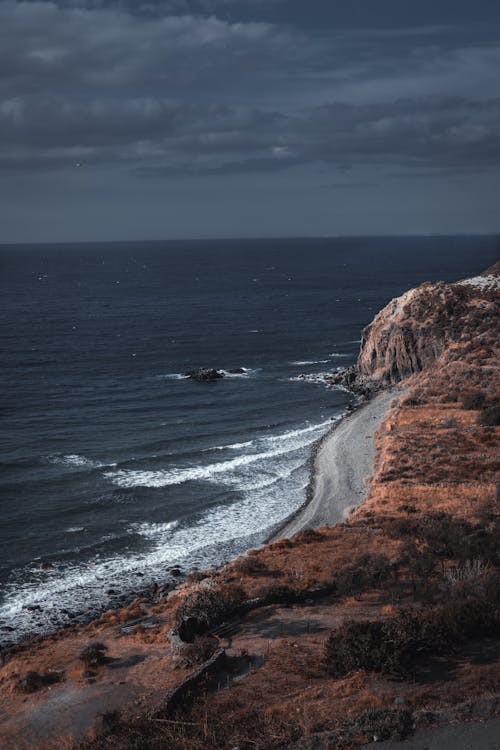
column 412, row 331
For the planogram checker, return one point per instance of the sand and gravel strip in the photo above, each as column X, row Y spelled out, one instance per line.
column 342, row 468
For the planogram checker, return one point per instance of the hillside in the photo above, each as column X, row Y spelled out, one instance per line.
column 338, row 636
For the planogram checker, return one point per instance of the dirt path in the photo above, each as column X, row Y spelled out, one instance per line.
column 482, row 735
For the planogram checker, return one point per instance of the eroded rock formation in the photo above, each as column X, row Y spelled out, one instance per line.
column 413, row 330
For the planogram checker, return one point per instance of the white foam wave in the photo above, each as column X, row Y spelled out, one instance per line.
column 75, row 529
column 83, row 586
column 271, row 481
column 153, row 530
column 245, row 374
column 338, row 354
column 283, row 444
column 229, row 446
column 300, row 362
column 172, row 376
column 77, row 461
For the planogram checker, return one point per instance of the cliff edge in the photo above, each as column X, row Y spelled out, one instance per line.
column 414, row 330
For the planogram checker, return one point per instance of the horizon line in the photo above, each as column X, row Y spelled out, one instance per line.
column 256, row 238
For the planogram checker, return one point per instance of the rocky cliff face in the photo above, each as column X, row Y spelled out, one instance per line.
column 414, row 330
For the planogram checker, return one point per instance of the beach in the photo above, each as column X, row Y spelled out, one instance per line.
column 341, row 468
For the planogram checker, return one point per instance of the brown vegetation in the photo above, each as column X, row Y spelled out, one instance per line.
column 316, row 628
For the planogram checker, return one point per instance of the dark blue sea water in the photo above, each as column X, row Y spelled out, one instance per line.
column 115, row 468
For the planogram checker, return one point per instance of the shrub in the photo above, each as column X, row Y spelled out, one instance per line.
column 33, row 681
column 252, row 566
column 473, row 400
column 366, row 572
column 306, row 536
column 468, row 579
column 490, row 417
column 199, row 651
column 94, row 654
column 208, row 607
column 393, row 645
column 279, row 594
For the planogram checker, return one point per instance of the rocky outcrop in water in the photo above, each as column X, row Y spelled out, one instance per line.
column 206, row 375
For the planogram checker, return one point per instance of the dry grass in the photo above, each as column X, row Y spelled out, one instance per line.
column 433, row 505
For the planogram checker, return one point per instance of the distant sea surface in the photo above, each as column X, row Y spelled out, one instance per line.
column 114, row 468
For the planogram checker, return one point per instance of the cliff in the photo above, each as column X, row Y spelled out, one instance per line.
column 414, row 330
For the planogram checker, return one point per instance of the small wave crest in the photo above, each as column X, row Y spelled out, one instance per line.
column 276, row 445
column 300, row 362
column 172, row 376
column 153, row 530
column 74, row 460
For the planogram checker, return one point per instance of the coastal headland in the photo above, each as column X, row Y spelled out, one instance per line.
column 332, row 636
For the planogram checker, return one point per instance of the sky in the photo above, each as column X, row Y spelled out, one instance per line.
column 167, row 119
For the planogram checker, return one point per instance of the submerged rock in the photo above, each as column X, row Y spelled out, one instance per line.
column 204, row 374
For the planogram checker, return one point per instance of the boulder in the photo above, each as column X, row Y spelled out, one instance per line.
column 204, row 374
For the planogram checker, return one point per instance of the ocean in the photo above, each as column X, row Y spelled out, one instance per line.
column 114, row 467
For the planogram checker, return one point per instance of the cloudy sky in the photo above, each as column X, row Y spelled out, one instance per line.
column 160, row 119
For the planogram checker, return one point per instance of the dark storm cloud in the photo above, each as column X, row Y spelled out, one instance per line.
column 207, row 89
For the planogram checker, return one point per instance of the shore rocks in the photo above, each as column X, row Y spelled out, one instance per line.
column 204, row 375
column 207, row 375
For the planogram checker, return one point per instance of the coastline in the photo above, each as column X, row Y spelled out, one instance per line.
column 298, row 519
column 318, row 508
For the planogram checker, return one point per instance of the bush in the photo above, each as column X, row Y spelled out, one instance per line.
column 474, row 400
column 94, row 655
column 306, row 536
column 393, row 645
column 368, row 571
column 33, row 681
column 209, row 607
column 251, row 566
column 279, row 594
column 446, row 536
column 199, row 651
column 468, row 579
column 490, row 417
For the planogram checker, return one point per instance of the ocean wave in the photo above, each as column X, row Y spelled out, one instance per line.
column 338, row 354
column 38, row 605
column 287, row 442
column 74, row 460
column 229, row 446
column 153, row 530
column 172, row 376
column 271, row 481
column 300, row 362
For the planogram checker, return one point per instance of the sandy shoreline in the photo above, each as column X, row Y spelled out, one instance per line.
column 341, row 468
column 340, row 463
